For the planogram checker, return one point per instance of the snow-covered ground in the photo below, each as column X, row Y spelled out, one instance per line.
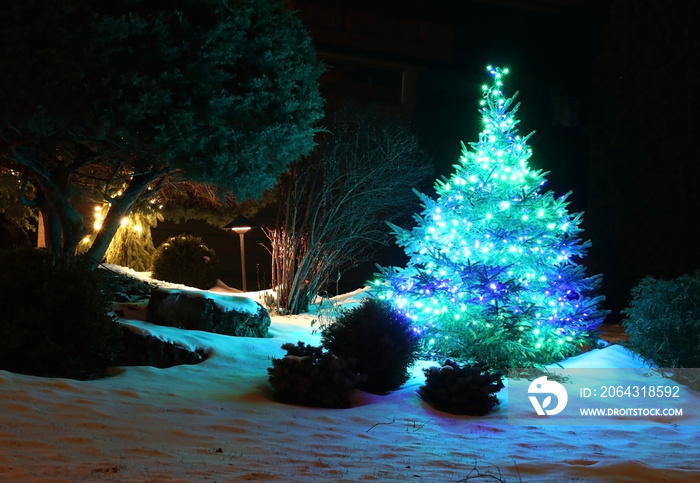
column 216, row 421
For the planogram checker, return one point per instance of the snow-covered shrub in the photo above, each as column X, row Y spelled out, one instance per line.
column 55, row 317
column 308, row 376
column 663, row 320
column 187, row 260
column 380, row 339
column 469, row 389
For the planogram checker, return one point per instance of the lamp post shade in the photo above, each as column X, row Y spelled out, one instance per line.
column 240, row 225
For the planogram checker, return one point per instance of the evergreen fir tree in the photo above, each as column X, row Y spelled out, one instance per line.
column 494, row 275
column 132, row 245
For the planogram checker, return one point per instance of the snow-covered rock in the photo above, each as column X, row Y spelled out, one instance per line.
column 219, row 313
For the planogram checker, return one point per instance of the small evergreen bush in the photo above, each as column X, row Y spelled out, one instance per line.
column 187, row 260
column 380, row 339
column 663, row 321
column 469, row 389
column 308, row 376
column 55, row 317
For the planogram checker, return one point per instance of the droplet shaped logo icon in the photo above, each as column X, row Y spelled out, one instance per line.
column 542, row 386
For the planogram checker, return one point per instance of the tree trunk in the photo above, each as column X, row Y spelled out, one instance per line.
column 63, row 225
column 120, row 208
column 110, row 225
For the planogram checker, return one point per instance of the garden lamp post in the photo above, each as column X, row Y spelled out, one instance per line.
column 241, row 225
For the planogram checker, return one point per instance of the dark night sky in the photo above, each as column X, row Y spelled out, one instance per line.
column 550, row 56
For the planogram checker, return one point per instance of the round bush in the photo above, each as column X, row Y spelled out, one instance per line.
column 310, row 377
column 55, row 317
column 185, row 259
column 469, row 389
column 663, row 321
column 380, row 339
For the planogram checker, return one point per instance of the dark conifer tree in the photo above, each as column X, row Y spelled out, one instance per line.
column 102, row 101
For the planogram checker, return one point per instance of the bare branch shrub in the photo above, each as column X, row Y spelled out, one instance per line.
column 336, row 202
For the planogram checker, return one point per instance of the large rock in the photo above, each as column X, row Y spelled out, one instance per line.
column 211, row 312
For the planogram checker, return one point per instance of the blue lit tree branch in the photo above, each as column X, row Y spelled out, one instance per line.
column 494, row 274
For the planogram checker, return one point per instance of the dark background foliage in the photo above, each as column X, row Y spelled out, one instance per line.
column 663, row 321
column 54, row 319
column 645, row 165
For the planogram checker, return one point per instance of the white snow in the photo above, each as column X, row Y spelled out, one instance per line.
column 216, row 421
column 223, row 296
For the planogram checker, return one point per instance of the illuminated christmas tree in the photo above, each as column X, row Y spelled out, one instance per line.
column 494, row 274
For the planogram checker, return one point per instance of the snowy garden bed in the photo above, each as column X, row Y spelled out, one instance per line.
column 217, row 421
